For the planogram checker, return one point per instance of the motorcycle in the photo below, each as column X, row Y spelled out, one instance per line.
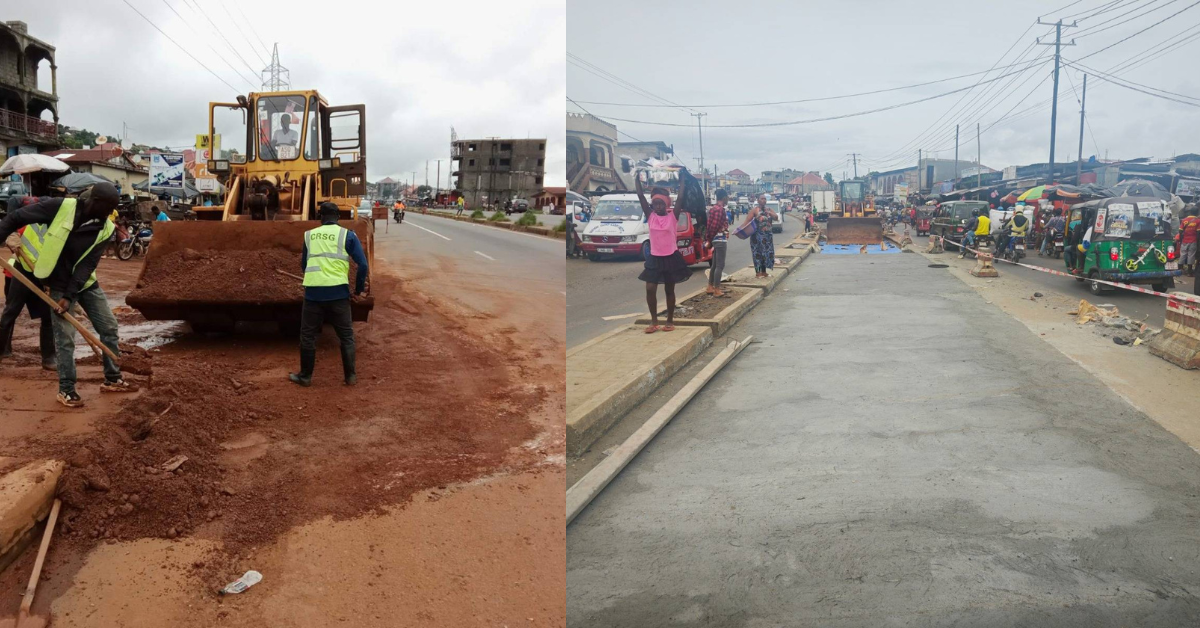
column 981, row 244
column 398, row 215
column 1015, row 250
column 137, row 243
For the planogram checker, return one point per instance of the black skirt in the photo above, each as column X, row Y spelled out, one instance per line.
column 666, row 269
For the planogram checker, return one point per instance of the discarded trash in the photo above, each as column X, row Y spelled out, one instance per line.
column 1119, row 340
column 1137, row 341
column 1037, row 294
column 939, row 266
column 174, row 463
column 1088, row 312
column 248, row 579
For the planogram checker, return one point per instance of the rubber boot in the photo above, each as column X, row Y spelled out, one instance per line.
column 308, row 359
column 6, row 336
column 348, row 365
column 46, row 344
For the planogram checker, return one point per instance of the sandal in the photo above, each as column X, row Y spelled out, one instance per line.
column 668, row 328
column 651, row 329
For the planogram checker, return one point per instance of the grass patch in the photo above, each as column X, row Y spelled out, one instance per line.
column 477, row 215
column 528, row 219
column 498, row 217
column 560, row 227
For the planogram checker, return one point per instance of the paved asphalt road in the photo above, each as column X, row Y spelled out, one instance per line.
column 610, row 287
column 458, row 248
column 1135, row 305
column 840, row 474
column 549, row 220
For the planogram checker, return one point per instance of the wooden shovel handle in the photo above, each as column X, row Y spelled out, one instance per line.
column 41, row 558
column 87, row 334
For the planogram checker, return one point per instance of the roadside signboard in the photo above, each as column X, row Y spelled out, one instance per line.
column 207, row 184
column 1188, row 187
column 166, row 171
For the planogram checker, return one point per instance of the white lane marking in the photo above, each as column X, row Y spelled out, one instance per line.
column 485, row 255
column 429, row 230
column 620, row 316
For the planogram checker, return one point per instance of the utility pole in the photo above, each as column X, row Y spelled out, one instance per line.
column 918, row 171
column 700, row 131
column 1082, row 107
column 854, row 156
column 426, row 173
column 956, row 154
column 1058, row 26
column 414, row 181
column 978, row 158
column 438, row 191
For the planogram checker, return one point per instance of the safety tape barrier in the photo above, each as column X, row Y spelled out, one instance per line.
column 1178, row 296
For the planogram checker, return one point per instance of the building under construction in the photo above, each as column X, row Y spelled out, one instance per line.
column 493, row 170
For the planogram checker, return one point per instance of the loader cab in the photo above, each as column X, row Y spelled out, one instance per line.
column 280, row 154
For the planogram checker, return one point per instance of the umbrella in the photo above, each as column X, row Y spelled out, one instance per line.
column 32, row 162
column 1141, row 187
column 77, row 182
column 1032, row 193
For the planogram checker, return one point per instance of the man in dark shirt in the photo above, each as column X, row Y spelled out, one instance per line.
column 325, row 261
column 717, row 237
column 79, row 227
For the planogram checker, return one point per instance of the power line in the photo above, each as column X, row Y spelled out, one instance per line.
column 221, row 34
column 250, row 25
column 238, row 26
column 1119, row 41
column 805, row 100
column 205, row 39
column 1104, row 75
column 602, row 119
column 1131, row 86
column 1096, row 27
column 179, row 46
column 613, row 78
column 812, row 120
column 1086, row 120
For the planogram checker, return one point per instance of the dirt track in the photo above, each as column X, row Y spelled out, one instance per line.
column 460, row 413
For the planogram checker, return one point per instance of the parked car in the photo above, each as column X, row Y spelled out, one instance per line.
column 949, row 218
column 518, row 206
column 11, row 192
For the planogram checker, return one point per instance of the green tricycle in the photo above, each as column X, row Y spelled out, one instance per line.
column 1125, row 240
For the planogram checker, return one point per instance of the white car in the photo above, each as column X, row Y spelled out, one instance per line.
column 777, row 226
column 617, row 227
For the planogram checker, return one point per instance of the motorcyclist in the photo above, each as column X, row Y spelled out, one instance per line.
column 1016, row 228
column 969, row 231
column 1054, row 228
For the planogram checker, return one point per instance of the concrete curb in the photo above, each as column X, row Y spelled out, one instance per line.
column 724, row 319
column 744, row 278
column 534, row 229
column 26, row 495
column 591, row 412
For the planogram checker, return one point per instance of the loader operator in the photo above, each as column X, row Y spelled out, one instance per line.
column 328, row 250
column 69, row 237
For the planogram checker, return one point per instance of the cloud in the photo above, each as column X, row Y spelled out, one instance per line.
column 486, row 68
column 707, row 52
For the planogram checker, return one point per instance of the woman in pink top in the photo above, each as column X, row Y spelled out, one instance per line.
column 665, row 264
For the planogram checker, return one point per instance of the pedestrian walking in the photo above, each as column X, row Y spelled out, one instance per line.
column 762, row 243
column 462, row 204
column 1188, row 228
column 72, row 234
column 717, row 235
column 665, row 264
column 328, row 250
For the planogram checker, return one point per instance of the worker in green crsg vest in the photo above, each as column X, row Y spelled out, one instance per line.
column 73, row 234
column 328, row 250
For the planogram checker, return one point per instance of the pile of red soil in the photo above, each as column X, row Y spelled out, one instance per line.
column 438, row 403
column 222, row 276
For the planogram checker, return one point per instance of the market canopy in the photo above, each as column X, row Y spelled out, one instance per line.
column 77, row 182
column 1032, row 193
column 32, row 162
column 1141, row 187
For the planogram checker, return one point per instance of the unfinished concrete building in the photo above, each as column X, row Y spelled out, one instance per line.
column 26, row 103
column 493, row 170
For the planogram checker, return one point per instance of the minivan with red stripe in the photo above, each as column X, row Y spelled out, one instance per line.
column 618, row 228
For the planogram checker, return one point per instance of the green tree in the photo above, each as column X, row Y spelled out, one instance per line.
column 829, row 178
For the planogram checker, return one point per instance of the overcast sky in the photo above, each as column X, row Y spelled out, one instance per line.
column 702, row 52
column 486, row 68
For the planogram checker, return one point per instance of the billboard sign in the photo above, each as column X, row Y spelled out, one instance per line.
column 166, row 171
column 1188, row 187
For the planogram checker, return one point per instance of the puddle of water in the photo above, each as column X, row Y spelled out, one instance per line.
column 153, row 334
column 856, row 249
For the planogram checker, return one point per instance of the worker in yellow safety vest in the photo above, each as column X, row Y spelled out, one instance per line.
column 328, row 251
column 62, row 247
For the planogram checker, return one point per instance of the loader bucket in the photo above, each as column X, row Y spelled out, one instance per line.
column 853, row 230
column 215, row 274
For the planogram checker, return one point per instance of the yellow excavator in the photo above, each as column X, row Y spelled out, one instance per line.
column 854, row 220
column 296, row 153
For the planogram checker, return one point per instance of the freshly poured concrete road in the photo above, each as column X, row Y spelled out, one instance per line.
column 896, row 452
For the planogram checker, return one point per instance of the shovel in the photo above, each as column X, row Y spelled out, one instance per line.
column 85, row 332
column 24, row 620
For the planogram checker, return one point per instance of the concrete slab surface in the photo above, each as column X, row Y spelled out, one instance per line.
column 894, row 452
column 608, row 376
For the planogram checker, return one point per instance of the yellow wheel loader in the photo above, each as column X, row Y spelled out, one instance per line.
column 240, row 259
